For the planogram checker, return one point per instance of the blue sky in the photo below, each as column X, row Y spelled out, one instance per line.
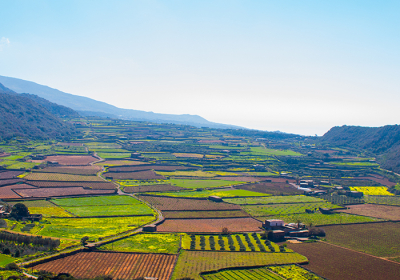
column 293, row 66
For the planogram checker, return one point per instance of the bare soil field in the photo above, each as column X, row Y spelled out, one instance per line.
column 138, row 175
column 241, row 179
column 147, row 167
column 55, row 192
column 121, row 162
column 91, row 185
column 117, row 265
column 69, row 160
column 204, row 214
column 154, row 188
column 10, row 174
column 70, row 144
column 378, row 239
column 183, row 204
column 210, row 225
column 7, row 192
column 337, row 263
column 378, row 179
column 37, row 176
column 81, row 170
column 271, row 188
column 374, row 210
column 10, row 182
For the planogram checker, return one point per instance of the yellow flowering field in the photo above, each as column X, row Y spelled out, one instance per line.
column 372, row 190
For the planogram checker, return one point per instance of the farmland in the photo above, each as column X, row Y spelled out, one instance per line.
column 97, row 201
column 206, row 193
column 146, row 167
column 210, row 225
column 152, row 188
column 367, row 239
column 36, row 176
column 270, row 272
column 274, row 200
column 204, row 214
column 195, row 184
column 110, row 210
column 372, row 210
column 56, row 192
column 372, row 190
column 138, row 175
column 191, row 263
column 147, row 243
column 385, row 200
column 81, row 170
column 118, row 265
column 343, row 264
column 101, row 185
column 71, row 160
column 273, row 188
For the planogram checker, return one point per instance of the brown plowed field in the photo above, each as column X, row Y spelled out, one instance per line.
column 7, row 191
column 147, row 167
column 117, row 265
column 121, row 162
column 76, row 170
column 53, row 192
column 209, row 225
column 55, row 184
column 374, row 210
column 38, row 176
column 271, row 188
column 337, row 263
column 182, row 204
column 380, row 180
column 10, row 174
column 138, row 175
column 154, row 188
column 204, row 214
column 70, row 144
column 69, row 160
column 10, row 181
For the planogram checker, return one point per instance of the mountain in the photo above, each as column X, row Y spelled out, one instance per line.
column 383, row 142
column 21, row 116
column 90, row 107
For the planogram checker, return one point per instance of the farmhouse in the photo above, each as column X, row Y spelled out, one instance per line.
column 273, row 224
column 215, row 198
column 150, row 228
column 354, row 194
column 33, row 218
column 276, row 235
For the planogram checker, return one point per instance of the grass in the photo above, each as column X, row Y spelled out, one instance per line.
column 197, row 173
column 76, row 228
column 97, row 200
column 5, row 259
column 191, row 263
column 34, row 203
column 274, row 199
column 285, row 209
column 372, row 190
column 272, row 152
column 110, row 210
column 147, row 243
column 322, row 219
column 196, row 184
column 207, row 193
column 114, row 155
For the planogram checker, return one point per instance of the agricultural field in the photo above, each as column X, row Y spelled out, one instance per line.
column 192, row 263
column 97, row 201
column 146, row 167
column 273, row 188
column 231, row 243
column 48, row 212
column 336, row 263
column 196, row 184
column 210, row 225
column 204, row 214
column 114, row 155
column 119, row 162
column 206, row 193
column 271, row 152
column 385, row 200
column 89, row 185
column 10, row 174
column 110, row 210
column 70, row 160
column 81, row 170
column 9, row 192
column 76, row 228
column 36, row 176
column 373, row 210
column 372, row 190
column 197, row 173
column 147, row 243
column 138, row 175
column 152, row 188
column 57, row 192
column 117, row 265
column 6, row 259
column 322, row 219
column 367, row 239
column 285, row 209
column 294, row 272
column 186, row 204
column 274, row 200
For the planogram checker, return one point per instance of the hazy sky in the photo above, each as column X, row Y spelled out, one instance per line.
column 294, row 66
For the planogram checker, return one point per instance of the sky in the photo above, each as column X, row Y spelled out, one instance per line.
column 294, row 66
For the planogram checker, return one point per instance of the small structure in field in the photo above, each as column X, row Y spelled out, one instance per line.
column 276, row 235
column 273, row 224
column 150, row 228
column 299, row 233
column 33, row 218
column 354, row 194
column 259, row 167
column 215, row 198
column 38, row 157
column 325, row 210
column 52, row 162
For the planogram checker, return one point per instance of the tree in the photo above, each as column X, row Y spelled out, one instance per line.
column 19, row 211
column 84, row 240
column 225, row 231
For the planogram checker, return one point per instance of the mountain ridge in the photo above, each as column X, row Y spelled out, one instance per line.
column 87, row 106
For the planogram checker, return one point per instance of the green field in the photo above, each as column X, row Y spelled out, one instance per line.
column 196, row 173
column 146, row 243
column 321, row 219
column 110, row 210
column 386, row 200
column 207, row 193
column 274, row 200
column 97, row 200
column 6, row 259
column 114, row 155
column 76, row 228
column 197, row 184
column 294, row 272
column 285, row 209
column 48, row 212
column 271, row 152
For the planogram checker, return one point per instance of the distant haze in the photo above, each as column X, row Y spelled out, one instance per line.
column 294, row 66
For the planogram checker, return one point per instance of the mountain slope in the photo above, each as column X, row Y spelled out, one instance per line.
column 383, row 142
column 21, row 116
column 87, row 106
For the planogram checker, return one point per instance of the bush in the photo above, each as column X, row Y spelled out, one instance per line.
column 317, row 232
